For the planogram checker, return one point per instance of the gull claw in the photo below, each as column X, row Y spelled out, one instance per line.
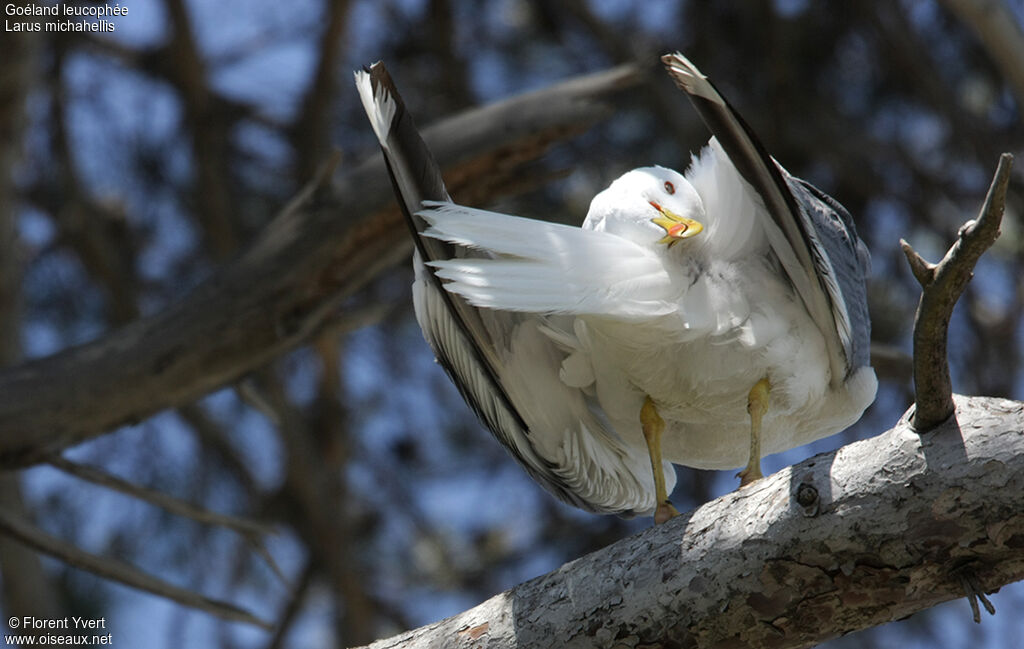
column 664, row 513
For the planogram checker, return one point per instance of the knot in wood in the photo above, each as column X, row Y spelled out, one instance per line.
column 807, row 498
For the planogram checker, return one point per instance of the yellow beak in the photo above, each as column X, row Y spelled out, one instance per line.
column 676, row 227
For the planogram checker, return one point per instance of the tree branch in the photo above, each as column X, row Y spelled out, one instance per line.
column 310, row 131
column 118, row 571
column 846, row 540
column 209, row 128
column 289, row 283
column 941, row 286
column 250, row 529
column 292, row 608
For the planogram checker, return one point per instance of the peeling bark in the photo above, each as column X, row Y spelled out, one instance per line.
column 867, row 534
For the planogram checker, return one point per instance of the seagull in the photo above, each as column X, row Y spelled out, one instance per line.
column 703, row 319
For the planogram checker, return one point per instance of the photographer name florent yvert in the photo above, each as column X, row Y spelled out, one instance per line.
column 71, row 630
column 68, row 622
column 62, row 17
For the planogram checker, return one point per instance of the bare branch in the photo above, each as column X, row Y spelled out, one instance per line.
column 287, row 284
column 208, row 127
column 311, row 128
column 115, row 570
column 663, row 97
column 96, row 230
column 243, row 526
column 846, row 540
column 941, row 286
column 292, row 608
column 213, row 440
column 924, row 272
column 218, row 447
column 28, row 589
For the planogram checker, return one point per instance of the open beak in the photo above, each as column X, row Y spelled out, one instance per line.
column 676, row 227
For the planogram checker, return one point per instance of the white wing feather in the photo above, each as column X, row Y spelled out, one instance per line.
column 550, row 268
column 790, row 230
column 565, row 445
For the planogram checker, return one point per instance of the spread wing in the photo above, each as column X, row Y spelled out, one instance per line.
column 811, row 234
column 545, row 267
column 505, row 364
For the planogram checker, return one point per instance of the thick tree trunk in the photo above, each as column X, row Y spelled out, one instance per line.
column 846, row 540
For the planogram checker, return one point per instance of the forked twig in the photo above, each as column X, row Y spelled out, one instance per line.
column 942, row 284
column 974, row 592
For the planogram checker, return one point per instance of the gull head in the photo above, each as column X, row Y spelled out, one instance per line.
column 650, row 206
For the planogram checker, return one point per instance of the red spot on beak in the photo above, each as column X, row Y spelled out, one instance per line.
column 678, row 229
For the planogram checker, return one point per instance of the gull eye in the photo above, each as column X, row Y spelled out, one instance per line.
column 670, row 188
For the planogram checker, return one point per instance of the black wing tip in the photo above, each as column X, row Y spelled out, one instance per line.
column 380, row 77
column 690, row 79
column 375, row 69
column 381, row 100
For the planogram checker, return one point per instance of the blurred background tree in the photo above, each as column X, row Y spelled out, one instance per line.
column 135, row 163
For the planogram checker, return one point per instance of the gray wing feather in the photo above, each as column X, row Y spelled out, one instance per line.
column 850, row 261
column 803, row 232
column 454, row 329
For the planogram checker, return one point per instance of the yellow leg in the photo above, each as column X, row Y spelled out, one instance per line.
column 757, row 405
column 653, row 425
